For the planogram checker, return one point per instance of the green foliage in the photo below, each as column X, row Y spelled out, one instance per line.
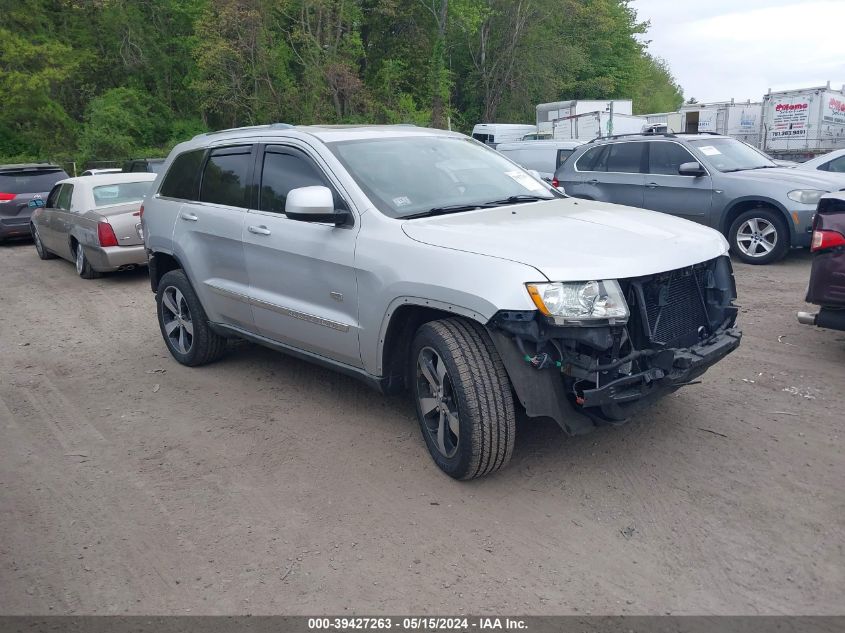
column 110, row 79
column 120, row 120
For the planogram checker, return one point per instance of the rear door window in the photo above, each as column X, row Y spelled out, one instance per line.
column 182, row 179
column 30, row 181
column 594, row 159
column 665, row 158
column 65, row 195
column 625, row 158
column 54, row 195
column 225, row 177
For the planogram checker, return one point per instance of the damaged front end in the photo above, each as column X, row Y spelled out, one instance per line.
column 680, row 323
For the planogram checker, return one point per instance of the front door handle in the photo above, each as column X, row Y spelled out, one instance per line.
column 652, row 185
column 190, row 217
column 259, row 230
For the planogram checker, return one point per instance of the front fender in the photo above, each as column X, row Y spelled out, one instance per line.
column 728, row 213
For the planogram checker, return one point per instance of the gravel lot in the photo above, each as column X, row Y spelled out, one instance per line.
column 262, row 484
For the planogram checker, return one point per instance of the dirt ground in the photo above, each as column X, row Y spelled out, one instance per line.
column 262, row 484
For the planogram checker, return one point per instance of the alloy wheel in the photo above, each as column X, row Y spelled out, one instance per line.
column 176, row 316
column 80, row 259
column 757, row 237
column 437, row 403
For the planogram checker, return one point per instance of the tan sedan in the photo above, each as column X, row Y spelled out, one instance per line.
column 93, row 221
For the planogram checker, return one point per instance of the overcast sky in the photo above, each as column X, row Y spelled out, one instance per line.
column 718, row 49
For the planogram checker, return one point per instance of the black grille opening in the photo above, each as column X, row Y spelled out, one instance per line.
column 672, row 311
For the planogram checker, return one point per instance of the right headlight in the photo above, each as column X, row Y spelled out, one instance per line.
column 581, row 303
column 806, row 196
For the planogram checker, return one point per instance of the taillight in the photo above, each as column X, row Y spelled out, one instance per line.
column 822, row 240
column 5, row 197
column 141, row 212
column 555, row 183
column 105, row 233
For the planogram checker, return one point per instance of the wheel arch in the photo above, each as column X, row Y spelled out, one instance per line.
column 747, row 203
column 403, row 318
column 161, row 263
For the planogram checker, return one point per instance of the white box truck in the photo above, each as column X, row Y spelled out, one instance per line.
column 672, row 122
column 548, row 113
column 494, row 133
column 800, row 124
column 584, row 127
column 742, row 121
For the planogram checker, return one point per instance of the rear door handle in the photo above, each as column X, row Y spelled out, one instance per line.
column 652, row 185
column 593, row 182
column 259, row 230
column 190, row 217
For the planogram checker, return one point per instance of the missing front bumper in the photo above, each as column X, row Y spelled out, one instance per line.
column 621, row 398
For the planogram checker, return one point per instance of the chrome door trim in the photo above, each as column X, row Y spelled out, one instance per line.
column 304, row 316
column 296, row 314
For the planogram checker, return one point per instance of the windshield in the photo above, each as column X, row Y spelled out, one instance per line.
column 412, row 175
column 728, row 154
column 121, row 192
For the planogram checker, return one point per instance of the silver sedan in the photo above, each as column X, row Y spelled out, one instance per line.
column 94, row 222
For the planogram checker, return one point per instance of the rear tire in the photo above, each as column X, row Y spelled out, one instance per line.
column 759, row 236
column 460, row 384
column 83, row 266
column 43, row 253
column 183, row 322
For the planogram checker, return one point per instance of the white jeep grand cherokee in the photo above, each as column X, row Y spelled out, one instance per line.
column 421, row 259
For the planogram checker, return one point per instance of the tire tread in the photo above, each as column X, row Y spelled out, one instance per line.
column 207, row 346
column 485, row 390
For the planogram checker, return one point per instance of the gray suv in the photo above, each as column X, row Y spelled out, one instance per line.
column 762, row 209
column 423, row 260
column 23, row 188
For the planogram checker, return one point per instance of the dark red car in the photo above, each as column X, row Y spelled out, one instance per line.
column 827, row 278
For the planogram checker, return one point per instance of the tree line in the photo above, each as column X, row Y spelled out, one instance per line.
column 108, row 79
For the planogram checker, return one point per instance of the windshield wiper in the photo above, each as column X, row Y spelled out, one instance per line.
column 523, row 197
column 452, row 208
column 458, row 208
column 725, row 171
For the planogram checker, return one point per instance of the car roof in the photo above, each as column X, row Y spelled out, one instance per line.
column 552, row 143
column 684, row 136
column 31, row 167
column 325, row 133
column 96, row 180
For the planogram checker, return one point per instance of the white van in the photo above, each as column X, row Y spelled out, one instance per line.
column 494, row 133
column 541, row 156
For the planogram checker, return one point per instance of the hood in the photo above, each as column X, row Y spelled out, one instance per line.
column 794, row 178
column 574, row 240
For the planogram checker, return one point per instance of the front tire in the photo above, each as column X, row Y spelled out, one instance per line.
column 83, row 266
column 184, row 324
column 43, row 253
column 463, row 398
column 759, row 236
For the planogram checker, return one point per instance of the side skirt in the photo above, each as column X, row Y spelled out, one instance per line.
column 375, row 382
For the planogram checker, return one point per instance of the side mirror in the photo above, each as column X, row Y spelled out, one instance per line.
column 314, row 204
column 691, row 169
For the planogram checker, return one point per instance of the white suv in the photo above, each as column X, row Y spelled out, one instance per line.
column 421, row 259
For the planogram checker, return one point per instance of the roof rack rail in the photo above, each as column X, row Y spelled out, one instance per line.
column 646, row 133
column 270, row 126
